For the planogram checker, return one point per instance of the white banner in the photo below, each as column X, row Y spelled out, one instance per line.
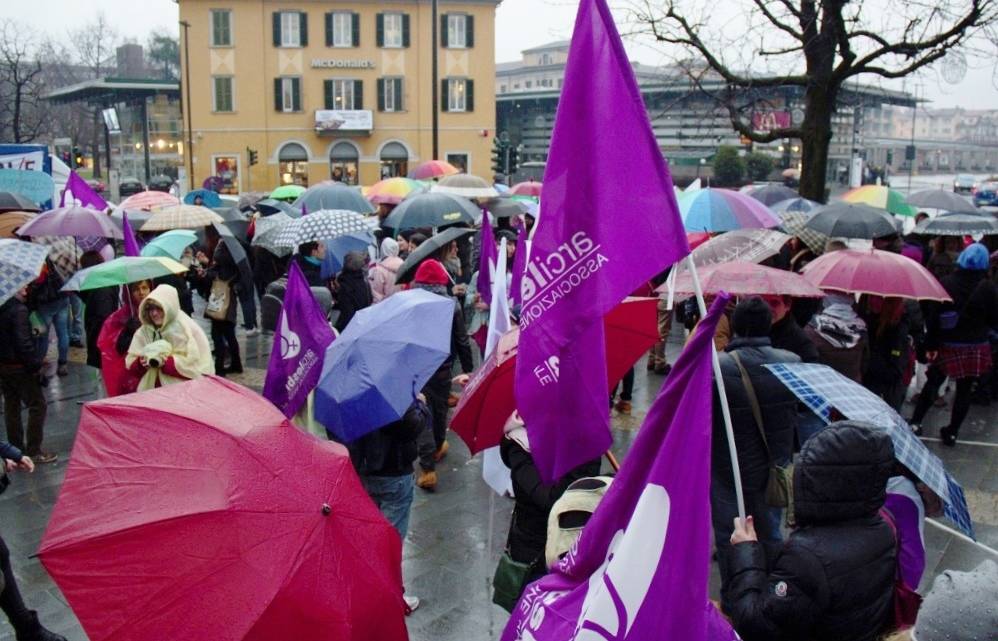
column 344, row 120
column 30, row 161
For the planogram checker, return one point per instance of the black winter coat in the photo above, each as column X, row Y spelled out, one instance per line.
column 17, row 349
column 834, row 578
column 352, row 295
column 311, row 271
column 460, row 346
column 778, row 406
column 975, row 300
column 787, row 334
column 99, row 304
column 391, row 450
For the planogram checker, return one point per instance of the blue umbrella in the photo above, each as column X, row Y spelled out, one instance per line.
column 338, row 248
column 208, row 198
column 374, row 370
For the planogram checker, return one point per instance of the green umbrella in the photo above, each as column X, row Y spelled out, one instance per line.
column 287, row 192
column 170, row 244
column 124, row 270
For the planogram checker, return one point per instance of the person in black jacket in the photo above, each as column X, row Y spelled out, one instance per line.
column 833, row 580
column 309, row 259
column 893, row 325
column 20, row 379
column 750, row 324
column 217, row 263
column 99, row 304
column 353, row 290
column 786, row 333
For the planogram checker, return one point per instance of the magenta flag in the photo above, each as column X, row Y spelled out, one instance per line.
column 80, row 193
column 639, row 571
column 486, row 260
column 519, row 262
column 131, row 243
column 608, row 223
column 299, row 347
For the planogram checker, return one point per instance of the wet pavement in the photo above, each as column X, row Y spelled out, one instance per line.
column 457, row 533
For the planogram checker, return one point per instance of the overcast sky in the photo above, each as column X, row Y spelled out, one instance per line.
column 520, row 24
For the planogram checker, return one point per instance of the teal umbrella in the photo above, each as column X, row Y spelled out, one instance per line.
column 170, row 244
column 124, row 270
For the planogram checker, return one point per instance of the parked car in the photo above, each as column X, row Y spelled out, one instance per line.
column 97, row 185
column 986, row 194
column 129, row 187
column 964, row 184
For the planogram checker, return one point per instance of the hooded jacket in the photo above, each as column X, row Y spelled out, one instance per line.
column 834, row 578
column 180, row 344
column 975, row 301
column 17, row 349
column 384, row 272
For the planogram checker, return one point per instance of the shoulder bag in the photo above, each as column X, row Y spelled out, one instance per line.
column 219, row 300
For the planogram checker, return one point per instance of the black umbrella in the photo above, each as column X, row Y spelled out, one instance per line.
column 13, row 201
column 269, row 207
column 942, row 199
column 431, row 210
column 506, row 207
column 333, row 195
column 235, row 220
column 959, row 225
column 429, row 246
column 851, row 220
column 772, row 194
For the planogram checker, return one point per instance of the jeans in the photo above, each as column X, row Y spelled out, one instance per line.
column 223, row 336
column 76, row 321
column 55, row 313
column 393, row 496
column 724, row 509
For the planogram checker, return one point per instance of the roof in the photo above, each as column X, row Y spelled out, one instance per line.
column 112, row 90
column 560, row 44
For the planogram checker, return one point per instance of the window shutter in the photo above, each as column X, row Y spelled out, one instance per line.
column 358, row 93
column 444, row 95
column 277, row 94
column 443, row 31
column 277, row 28
column 296, row 94
column 329, row 30
column 398, row 93
column 405, row 29
column 381, row 92
column 469, row 31
column 355, row 19
column 469, row 95
column 327, row 93
column 303, row 27
column 380, row 29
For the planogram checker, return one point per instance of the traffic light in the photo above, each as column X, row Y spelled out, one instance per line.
column 77, row 157
column 890, row 156
column 498, row 156
column 252, row 156
column 514, row 159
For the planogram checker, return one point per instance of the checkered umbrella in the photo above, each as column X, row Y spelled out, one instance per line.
column 821, row 388
column 64, row 252
column 20, row 263
column 322, row 225
column 180, row 217
column 794, row 223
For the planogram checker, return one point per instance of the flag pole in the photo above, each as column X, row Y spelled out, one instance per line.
column 719, row 381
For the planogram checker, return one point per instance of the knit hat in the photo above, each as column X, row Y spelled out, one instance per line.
column 431, row 272
column 752, row 318
column 974, row 258
column 961, row 605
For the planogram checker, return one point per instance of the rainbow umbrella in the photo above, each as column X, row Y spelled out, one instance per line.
column 433, row 169
column 715, row 210
column 880, row 197
column 392, row 191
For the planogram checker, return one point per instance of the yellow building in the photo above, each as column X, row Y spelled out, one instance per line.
column 339, row 90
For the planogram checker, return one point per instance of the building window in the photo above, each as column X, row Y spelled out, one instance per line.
column 342, row 29
column 393, row 30
column 293, row 163
column 394, row 160
column 222, row 100
column 343, row 94
column 287, row 94
column 390, row 94
column 458, row 30
column 221, row 28
column 529, row 84
column 459, row 160
column 459, row 94
column 290, row 29
column 343, row 159
column 502, row 88
column 227, row 170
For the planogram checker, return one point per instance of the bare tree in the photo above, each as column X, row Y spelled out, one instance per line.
column 813, row 45
column 94, row 45
column 22, row 112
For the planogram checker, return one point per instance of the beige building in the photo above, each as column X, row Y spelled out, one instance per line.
column 337, row 90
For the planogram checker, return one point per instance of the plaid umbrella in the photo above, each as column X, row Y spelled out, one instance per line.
column 821, row 388
column 20, row 263
column 795, row 224
column 181, row 217
column 147, row 200
column 322, row 225
column 64, row 253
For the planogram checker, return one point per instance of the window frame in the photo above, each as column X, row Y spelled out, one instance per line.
column 289, row 18
column 347, row 18
column 453, row 92
column 454, row 19
column 400, row 17
column 232, row 94
column 397, row 102
column 351, row 83
column 288, row 91
column 228, row 14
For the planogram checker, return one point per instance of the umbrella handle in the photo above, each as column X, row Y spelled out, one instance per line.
column 614, row 463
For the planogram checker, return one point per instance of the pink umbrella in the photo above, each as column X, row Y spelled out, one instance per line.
column 741, row 278
column 147, row 200
column 433, row 169
column 528, row 188
column 71, row 220
column 875, row 272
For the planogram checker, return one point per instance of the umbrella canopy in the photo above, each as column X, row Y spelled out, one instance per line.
column 527, row 188
column 431, row 210
column 959, row 225
column 266, row 233
column 771, row 194
column 11, row 221
column 208, row 198
column 13, row 201
column 338, row 248
column 795, row 224
column 20, row 263
column 170, row 244
column 123, row 270
column 392, row 191
column 875, row 272
column 180, row 217
column 741, row 278
column 333, row 195
column 214, row 503
column 488, row 399
column 71, row 221
column 147, row 200
column 848, row 220
column 248, row 200
column 373, row 371
column 505, row 206
column 821, row 388
column 943, row 199
column 136, row 217
column 749, row 245
column 433, row 169
column 64, row 252
column 289, row 193
column 269, row 207
column 796, row 203
column 715, row 210
column 466, row 186
column 880, row 197
column 428, row 247
column 322, row 225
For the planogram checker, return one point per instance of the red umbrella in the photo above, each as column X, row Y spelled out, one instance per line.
column 196, row 511
column 488, row 399
column 875, row 272
column 742, row 278
column 528, row 188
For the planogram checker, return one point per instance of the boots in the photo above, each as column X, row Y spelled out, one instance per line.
column 33, row 630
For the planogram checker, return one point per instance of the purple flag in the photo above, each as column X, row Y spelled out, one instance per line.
column 299, row 347
column 639, row 570
column 519, row 262
column 131, row 243
column 486, row 260
column 80, row 193
column 606, row 226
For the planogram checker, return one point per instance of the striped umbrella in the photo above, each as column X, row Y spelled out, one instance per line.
column 181, row 217
column 880, row 197
column 433, row 169
column 392, row 191
column 715, row 210
column 147, row 200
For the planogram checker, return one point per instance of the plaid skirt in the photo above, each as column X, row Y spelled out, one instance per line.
column 965, row 360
